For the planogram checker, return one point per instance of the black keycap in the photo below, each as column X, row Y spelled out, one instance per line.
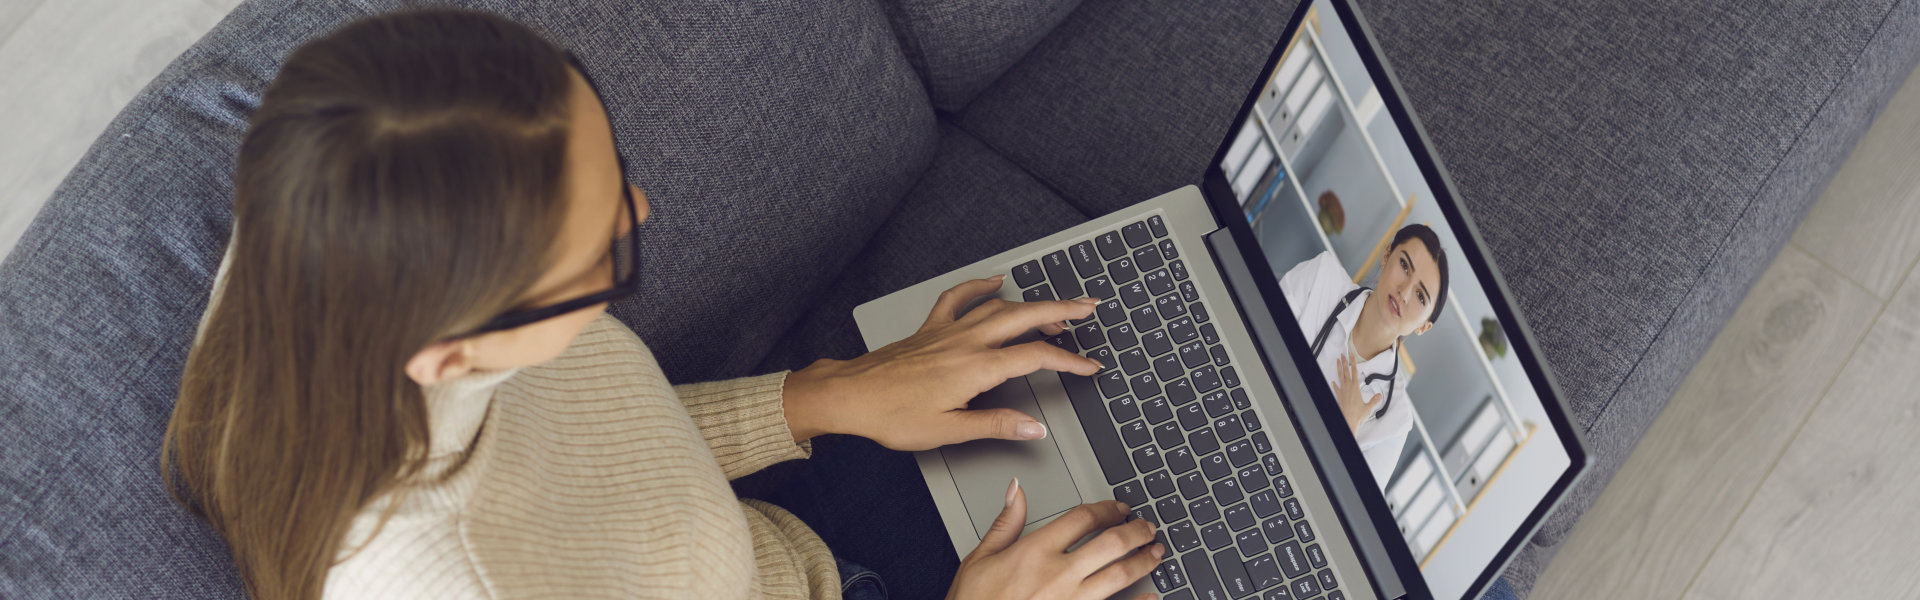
column 1133, row 493
column 1230, row 377
column 1089, row 337
column 1305, row 530
column 1188, row 291
column 1253, row 479
column 1272, row 463
column 1199, row 310
column 1333, row 595
column 1241, row 453
column 1084, row 261
column 1264, row 504
column 1100, row 287
column 1136, row 234
column 1180, row 460
column 1111, row 313
column 1179, row 269
column 1158, row 282
column 1183, row 536
column 1167, row 250
column 1159, row 483
column 1293, row 562
column 1217, row 404
column 1265, row 571
column 1204, row 511
column 1170, row 509
column 1219, row 355
column 1206, row 585
column 1144, row 385
column 1205, row 379
column 1065, row 284
column 1228, row 428
column 1104, row 355
column 1121, row 337
column 1226, row 492
column 1207, row 333
column 1182, row 331
column 1145, row 513
column 1260, row 443
column 1135, row 434
column 1216, row 536
column 1113, row 383
column 1065, row 342
column 1249, row 541
column 1305, row 587
column 1088, row 406
column 1133, row 361
column 1252, row 421
column 1110, row 245
column 1315, row 557
column 1038, row 294
column 1167, row 367
column 1133, row 294
column 1027, row 274
column 1147, row 459
column 1148, row 258
column 1123, row 273
column 1239, row 517
column 1168, row 436
column 1157, row 410
column 1277, row 529
column 1292, row 506
column 1203, row 442
column 1191, row 418
column 1282, row 486
column 1180, row 391
column 1156, row 343
column 1327, row 581
column 1158, row 226
column 1241, row 400
column 1215, row 466
column 1162, row 579
column 1170, row 308
column 1144, row 319
column 1123, row 409
column 1192, row 486
column 1193, row 355
column 1233, row 574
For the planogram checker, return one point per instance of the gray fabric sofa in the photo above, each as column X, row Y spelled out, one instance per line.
column 1633, row 168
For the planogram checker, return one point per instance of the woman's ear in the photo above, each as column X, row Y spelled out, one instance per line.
column 1422, row 330
column 441, row 361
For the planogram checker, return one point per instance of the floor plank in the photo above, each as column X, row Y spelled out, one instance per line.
column 1863, row 222
column 1658, row 521
column 1836, row 517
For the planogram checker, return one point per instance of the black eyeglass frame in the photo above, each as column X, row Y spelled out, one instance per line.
column 621, row 289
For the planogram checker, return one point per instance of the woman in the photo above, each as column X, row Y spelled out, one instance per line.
column 406, row 384
column 1355, row 334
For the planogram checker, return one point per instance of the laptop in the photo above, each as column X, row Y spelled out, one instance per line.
column 1324, row 246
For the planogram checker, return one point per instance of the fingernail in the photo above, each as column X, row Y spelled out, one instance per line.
column 1031, row 430
column 1097, row 365
column 1087, row 300
column 1124, row 508
column 1159, row 550
column 1012, row 486
column 999, row 277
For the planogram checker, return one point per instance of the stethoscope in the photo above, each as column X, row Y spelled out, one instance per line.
column 1321, row 341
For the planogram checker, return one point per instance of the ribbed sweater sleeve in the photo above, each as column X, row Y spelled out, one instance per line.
column 744, row 421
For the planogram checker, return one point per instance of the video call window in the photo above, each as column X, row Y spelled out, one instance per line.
column 1374, row 276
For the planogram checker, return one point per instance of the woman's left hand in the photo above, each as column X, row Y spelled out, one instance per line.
column 913, row 394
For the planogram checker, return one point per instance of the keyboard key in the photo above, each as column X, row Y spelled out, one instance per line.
column 1265, row 572
column 1123, row 273
column 1305, row 530
column 1207, row 333
column 1282, row 487
column 1123, row 409
column 1272, row 463
column 1084, row 261
column 1229, row 428
column 1252, row 421
column 1260, row 443
column 1230, row 377
column 1113, row 383
column 1134, row 293
column 1327, row 581
column 1136, row 234
column 1233, row 574
column 1199, row 310
column 1204, row 511
column 1182, row 331
column 1167, row 250
column 1133, row 361
column 1111, row 313
column 1158, row 226
column 1203, row 442
column 1264, row 504
column 1187, row 291
column 1219, row 353
column 1250, row 542
column 1110, row 245
column 1183, row 536
column 1179, row 269
column 1145, row 513
column 1065, row 284
column 1163, row 579
column 1333, row 595
column 1168, row 367
column 1192, row 487
column 1193, row 355
column 1135, row 434
column 1168, row 436
column 1180, row 391
column 1089, row 337
column 1144, row 319
column 1215, row 466
column 1158, row 282
column 1170, row 308
column 1159, row 483
column 1240, row 399
column 1147, row 459
column 1065, row 342
column 1170, row 508
column 1156, row 410
column 1315, row 557
column 1277, row 529
column 1253, row 479
column 1216, row 536
column 1305, row 587
column 1226, row 491
column 1292, row 506
column 1148, row 258
column 1205, row 379
column 1038, row 294
column 1145, row 385
column 1156, row 342
column 1239, row 517
column 1241, row 453
column 1121, row 337
column 1100, row 287
column 1104, row 355
column 1133, row 493
column 1206, row 585
column 1293, row 562
column 1087, row 405
column 1191, row 418
column 1027, row 274
column 1217, row 404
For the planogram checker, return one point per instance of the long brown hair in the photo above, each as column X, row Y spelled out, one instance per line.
column 400, row 182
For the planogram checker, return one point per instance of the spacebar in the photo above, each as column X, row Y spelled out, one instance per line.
column 1099, row 427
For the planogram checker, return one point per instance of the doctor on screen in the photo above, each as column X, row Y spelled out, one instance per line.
column 1355, row 334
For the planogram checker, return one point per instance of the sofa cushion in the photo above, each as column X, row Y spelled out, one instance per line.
column 763, row 172
column 960, row 47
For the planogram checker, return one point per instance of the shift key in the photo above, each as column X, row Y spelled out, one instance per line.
column 1066, row 285
column 1092, row 410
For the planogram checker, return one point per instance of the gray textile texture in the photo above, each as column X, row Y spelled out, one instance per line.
column 960, row 47
column 735, row 117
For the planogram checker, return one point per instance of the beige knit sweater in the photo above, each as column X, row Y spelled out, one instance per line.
column 589, row 476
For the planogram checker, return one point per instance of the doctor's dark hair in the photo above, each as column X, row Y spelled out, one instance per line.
column 1426, row 236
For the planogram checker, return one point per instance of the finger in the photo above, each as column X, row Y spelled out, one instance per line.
column 947, row 307
column 1053, row 329
column 1374, row 402
column 1006, row 527
column 1111, row 545
column 1020, row 317
column 997, row 423
column 1117, row 576
column 1078, row 522
column 1018, row 361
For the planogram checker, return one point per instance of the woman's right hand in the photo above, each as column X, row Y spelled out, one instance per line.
column 1006, row 565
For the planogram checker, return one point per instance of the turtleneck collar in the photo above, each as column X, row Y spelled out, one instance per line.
column 456, row 408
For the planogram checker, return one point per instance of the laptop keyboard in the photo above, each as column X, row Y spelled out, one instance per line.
column 1171, row 426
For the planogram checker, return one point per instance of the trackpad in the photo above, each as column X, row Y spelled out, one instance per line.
column 981, row 468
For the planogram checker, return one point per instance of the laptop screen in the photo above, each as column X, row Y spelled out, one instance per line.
column 1405, row 319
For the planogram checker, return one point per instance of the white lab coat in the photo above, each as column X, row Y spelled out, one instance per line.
column 1314, row 288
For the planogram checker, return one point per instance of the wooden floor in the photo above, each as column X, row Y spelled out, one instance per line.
column 1788, row 466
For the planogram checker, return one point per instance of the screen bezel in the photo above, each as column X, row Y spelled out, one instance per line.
column 1226, row 209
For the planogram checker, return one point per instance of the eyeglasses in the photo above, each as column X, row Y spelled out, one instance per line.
column 626, row 279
